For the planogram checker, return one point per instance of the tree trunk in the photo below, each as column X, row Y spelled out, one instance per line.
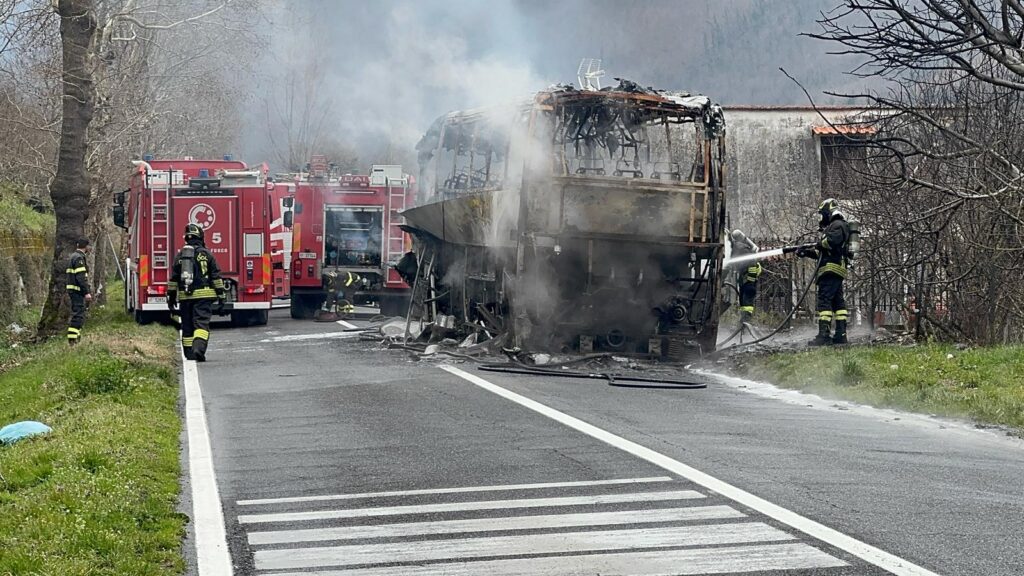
column 70, row 189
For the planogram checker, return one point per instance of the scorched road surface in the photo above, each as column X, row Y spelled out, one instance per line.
column 335, row 457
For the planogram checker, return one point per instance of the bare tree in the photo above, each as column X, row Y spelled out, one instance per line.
column 125, row 71
column 942, row 196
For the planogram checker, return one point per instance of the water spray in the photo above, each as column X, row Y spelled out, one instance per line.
column 752, row 257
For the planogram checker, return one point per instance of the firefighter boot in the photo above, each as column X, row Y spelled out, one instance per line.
column 823, row 338
column 746, row 317
column 840, row 335
column 188, row 353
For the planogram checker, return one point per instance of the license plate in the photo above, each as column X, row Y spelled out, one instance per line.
column 157, row 300
column 307, row 255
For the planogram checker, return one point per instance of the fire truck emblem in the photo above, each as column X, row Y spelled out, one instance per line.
column 203, row 215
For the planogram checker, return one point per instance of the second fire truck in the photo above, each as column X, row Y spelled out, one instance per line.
column 349, row 223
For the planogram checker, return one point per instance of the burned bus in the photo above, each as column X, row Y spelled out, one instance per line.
column 582, row 220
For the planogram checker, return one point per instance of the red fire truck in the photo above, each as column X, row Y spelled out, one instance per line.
column 349, row 223
column 229, row 200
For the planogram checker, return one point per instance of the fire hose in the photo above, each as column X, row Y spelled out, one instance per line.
column 784, row 250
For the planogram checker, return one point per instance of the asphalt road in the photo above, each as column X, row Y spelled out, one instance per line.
column 336, row 457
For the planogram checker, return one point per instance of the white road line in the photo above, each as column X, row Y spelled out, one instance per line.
column 348, row 325
column 469, row 506
column 496, row 488
column 212, row 554
column 507, row 523
column 878, row 557
column 559, row 543
column 302, row 337
column 726, row 560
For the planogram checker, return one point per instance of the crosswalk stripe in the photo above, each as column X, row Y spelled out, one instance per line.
column 559, row 543
column 497, row 488
column 726, row 560
column 468, row 506
column 693, row 513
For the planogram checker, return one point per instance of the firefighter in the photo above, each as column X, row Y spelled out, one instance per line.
column 195, row 284
column 831, row 252
column 336, row 284
column 78, row 289
column 746, row 277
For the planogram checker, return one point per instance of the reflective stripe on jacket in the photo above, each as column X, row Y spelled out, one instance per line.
column 78, row 273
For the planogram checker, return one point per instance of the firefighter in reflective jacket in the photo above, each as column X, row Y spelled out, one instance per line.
column 337, row 284
column 78, row 290
column 831, row 252
column 747, row 276
column 195, row 283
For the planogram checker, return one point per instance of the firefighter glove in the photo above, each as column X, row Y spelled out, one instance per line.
column 806, row 253
column 172, row 301
column 220, row 304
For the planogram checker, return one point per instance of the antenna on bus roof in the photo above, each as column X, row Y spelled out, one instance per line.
column 589, row 74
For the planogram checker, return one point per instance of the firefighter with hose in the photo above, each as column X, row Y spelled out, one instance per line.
column 194, row 285
column 833, row 252
column 747, row 276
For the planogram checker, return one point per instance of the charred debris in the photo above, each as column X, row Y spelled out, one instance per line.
column 579, row 221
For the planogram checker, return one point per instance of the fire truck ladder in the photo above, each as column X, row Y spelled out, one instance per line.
column 161, row 228
column 423, row 304
column 396, row 202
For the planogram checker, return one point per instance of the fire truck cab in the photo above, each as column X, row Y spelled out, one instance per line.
column 349, row 223
column 229, row 200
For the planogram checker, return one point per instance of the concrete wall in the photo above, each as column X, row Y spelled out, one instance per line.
column 774, row 168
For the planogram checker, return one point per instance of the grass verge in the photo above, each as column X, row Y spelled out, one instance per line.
column 99, row 494
column 985, row 384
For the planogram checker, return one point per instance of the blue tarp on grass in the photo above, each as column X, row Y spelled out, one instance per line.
column 20, row 430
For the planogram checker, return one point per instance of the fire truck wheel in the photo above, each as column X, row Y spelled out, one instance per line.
column 244, row 318
column 143, row 317
column 303, row 307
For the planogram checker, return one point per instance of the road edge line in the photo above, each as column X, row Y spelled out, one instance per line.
column 213, row 557
column 875, row 556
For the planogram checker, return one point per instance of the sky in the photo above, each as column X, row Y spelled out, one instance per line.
column 376, row 74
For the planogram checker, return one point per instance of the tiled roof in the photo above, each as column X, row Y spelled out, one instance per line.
column 846, row 129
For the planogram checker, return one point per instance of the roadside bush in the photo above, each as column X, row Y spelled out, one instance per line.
column 104, row 375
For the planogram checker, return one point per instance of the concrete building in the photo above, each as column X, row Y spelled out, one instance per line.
column 783, row 159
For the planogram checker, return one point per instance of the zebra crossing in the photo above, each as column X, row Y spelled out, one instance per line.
column 635, row 526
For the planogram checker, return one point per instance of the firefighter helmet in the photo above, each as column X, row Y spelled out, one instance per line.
column 194, row 231
column 826, row 209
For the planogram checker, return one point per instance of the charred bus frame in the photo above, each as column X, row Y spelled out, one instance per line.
column 583, row 220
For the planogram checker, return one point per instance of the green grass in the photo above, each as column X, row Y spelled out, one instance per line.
column 98, row 496
column 985, row 384
column 18, row 219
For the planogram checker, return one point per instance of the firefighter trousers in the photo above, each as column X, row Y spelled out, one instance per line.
column 195, row 326
column 77, row 319
column 831, row 303
column 748, row 294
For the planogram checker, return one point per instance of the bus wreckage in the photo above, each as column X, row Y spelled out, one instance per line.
column 583, row 220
